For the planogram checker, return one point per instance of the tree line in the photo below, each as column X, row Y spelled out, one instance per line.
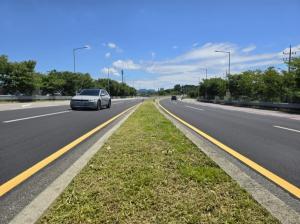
column 269, row 85
column 21, row 78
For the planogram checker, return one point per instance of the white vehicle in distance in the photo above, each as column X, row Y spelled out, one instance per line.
column 91, row 99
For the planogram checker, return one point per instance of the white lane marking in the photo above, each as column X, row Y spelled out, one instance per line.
column 27, row 105
column 116, row 102
column 289, row 129
column 194, row 108
column 42, row 115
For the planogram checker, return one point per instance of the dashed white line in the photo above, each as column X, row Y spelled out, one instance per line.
column 42, row 115
column 194, row 108
column 289, row 129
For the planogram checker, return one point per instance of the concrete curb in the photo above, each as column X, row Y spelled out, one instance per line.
column 273, row 204
column 32, row 212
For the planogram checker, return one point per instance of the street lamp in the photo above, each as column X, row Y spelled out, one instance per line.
column 227, row 52
column 228, row 91
column 108, row 89
column 74, row 55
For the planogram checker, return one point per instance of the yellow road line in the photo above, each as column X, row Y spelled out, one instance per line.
column 263, row 171
column 15, row 181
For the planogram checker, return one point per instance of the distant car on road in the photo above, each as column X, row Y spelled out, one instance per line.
column 173, row 97
column 91, row 98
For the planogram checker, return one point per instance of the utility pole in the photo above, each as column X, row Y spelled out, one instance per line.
column 289, row 58
column 122, row 72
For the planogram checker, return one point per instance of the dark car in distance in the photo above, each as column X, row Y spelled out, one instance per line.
column 173, row 97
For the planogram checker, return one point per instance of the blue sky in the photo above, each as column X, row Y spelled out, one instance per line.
column 158, row 43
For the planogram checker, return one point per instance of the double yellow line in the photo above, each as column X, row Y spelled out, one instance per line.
column 15, row 181
column 258, row 168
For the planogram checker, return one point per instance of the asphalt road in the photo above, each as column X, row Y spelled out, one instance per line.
column 272, row 142
column 29, row 135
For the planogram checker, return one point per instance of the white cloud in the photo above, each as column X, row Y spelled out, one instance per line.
column 111, row 71
column 195, row 44
column 188, row 68
column 294, row 49
column 107, row 55
column 127, row 64
column 112, row 45
column 250, row 48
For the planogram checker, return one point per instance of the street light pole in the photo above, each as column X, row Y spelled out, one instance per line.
column 74, row 55
column 228, row 74
column 227, row 52
column 108, row 80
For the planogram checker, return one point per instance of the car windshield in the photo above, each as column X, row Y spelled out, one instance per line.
column 89, row 92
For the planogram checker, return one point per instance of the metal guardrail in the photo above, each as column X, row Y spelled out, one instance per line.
column 287, row 106
column 39, row 97
column 32, row 98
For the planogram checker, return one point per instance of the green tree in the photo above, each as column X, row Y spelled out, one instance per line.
column 52, row 83
column 17, row 77
column 273, row 85
column 213, row 87
column 177, row 89
column 295, row 73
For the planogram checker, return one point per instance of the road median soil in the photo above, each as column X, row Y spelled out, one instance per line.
column 149, row 172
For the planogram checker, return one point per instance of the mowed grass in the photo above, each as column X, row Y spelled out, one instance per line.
column 149, row 172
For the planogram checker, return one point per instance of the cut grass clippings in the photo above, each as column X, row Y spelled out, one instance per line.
column 149, row 172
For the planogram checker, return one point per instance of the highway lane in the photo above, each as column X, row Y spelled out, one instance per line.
column 24, row 142
column 272, row 142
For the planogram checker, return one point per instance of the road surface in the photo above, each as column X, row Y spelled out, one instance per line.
column 271, row 141
column 29, row 135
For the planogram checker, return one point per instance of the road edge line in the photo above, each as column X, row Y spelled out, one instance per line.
column 278, row 208
column 33, row 211
column 21, row 177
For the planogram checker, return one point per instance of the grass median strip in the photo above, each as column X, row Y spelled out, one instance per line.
column 149, row 172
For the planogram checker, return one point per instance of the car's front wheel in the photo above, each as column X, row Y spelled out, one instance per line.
column 109, row 104
column 98, row 105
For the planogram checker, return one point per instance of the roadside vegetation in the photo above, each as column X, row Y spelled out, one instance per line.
column 21, row 78
column 270, row 85
column 149, row 172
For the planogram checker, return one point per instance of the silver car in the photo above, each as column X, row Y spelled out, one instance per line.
column 91, row 98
